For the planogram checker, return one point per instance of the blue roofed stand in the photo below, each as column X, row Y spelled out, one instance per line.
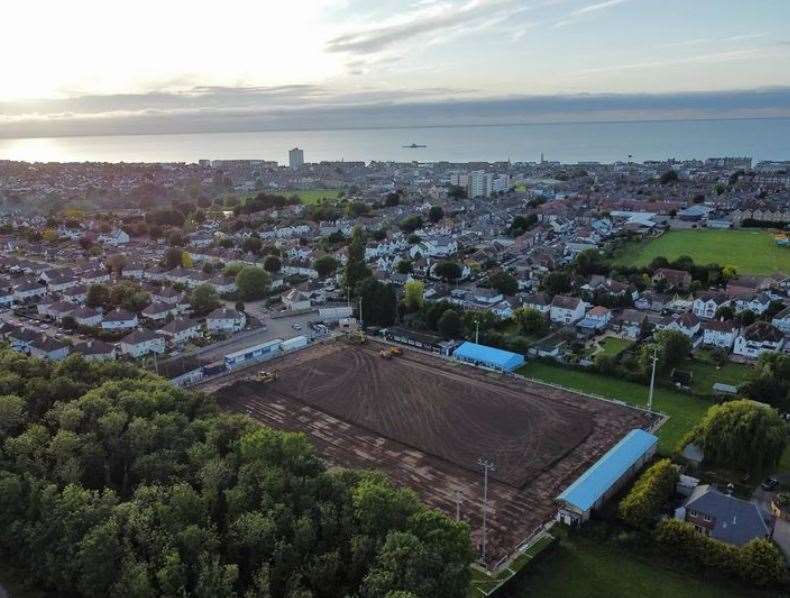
column 488, row 356
column 591, row 490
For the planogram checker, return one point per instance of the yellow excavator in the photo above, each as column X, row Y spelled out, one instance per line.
column 391, row 352
column 266, row 376
column 357, row 338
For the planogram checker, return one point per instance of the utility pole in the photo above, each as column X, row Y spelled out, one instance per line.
column 360, row 312
column 487, row 466
column 458, row 505
column 652, row 382
column 477, row 331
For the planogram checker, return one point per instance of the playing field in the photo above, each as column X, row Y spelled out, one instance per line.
column 751, row 251
column 427, row 422
column 314, row 196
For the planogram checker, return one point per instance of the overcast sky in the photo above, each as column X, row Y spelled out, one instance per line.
column 99, row 67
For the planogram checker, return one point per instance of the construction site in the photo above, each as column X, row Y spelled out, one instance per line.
column 429, row 423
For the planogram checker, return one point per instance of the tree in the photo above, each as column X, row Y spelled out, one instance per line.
column 173, row 257
column 98, row 296
column 411, row 224
column 116, row 263
column 448, row 271
column 252, row 283
column 413, row 292
column 251, row 245
column 741, row 434
column 272, row 264
column 326, row 265
column 503, row 282
column 356, row 270
column 456, row 192
column 557, row 283
column 379, row 302
column 450, row 324
column 204, row 299
column 129, row 296
column 590, row 262
column 435, row 214
column 404, row 266
column 670, row 176
column 86, row 243
column 530, row 321
column 670, row 346
column 176, row 239
column 651, row 491
column 186, row 259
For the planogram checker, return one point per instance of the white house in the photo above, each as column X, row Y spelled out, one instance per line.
column 719, row 333
column 757, row 339
column 142, row 342
column 159, row 311
column 95, row 350
column 782, row 320
column 566, row 310
column 119, row 319
column 180, row 331
column 707, row 303
column 687, row 324
column 224, row 319
column 295, row 299
column 87, row 316
column 45, row 347
column 115, row 238
column 757, row 303
column 537, row 301
column 28, row 291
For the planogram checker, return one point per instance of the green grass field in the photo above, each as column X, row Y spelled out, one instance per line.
column 706, row 374
column 684, row 411
column 580, row 567
column 750, row 251
column 314, row 196
column 612, row 347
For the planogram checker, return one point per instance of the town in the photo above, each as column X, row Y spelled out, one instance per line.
column 645, row 306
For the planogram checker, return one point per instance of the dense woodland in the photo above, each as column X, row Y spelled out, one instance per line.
column 113, row 482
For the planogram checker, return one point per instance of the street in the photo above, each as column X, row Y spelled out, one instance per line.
column 781, row 527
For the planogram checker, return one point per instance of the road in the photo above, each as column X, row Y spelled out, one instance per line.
column 781, row 527
column 271, row 328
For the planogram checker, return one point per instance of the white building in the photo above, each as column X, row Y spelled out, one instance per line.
column 296, row 158
column 566, row 310
column 225, row 319
column 718, row 333
column 481, row 184
column 142, row 342
column 757, row 339
column 119, row 319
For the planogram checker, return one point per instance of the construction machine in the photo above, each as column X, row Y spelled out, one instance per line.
column 266, row 376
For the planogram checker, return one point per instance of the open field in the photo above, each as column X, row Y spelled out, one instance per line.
column 425, row 422
column 579, row 567
column 684, row 411
column 751, row 251
column 314, row 196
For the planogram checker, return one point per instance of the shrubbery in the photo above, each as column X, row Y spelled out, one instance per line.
column 759, row 562
column 653, row 488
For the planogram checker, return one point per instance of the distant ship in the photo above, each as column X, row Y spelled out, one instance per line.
column 414, row 146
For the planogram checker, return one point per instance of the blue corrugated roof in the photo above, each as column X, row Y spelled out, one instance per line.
column 489, row 355
column 594, row 482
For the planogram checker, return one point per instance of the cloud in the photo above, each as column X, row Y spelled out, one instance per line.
column 322, row 108
column 596, row 7
column 429, row 19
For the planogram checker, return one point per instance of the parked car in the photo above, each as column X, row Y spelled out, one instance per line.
column 297, row 327
column 770, row 485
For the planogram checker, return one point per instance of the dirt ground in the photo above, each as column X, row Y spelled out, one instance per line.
column 426, row 422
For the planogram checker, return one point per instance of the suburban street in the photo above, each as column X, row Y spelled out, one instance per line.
column 781, row 527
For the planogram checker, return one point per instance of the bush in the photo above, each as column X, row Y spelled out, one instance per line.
column 653, row 488
column 759, row 562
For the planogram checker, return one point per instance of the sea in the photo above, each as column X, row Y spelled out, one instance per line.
column 761, row 139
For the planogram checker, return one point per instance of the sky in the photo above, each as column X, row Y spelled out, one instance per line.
column 87, row 67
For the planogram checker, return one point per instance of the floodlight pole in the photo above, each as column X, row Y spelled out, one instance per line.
column 652, row 383
column 487, row 466
column 458, row 505
column 477, row 332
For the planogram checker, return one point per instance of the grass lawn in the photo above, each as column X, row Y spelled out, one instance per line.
column 314, row 196
column 706, row 374
column 684, row 410
column 749, row 250
column 580, row 567
column 612, row 346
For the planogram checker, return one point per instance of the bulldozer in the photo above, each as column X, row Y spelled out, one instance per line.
column 357, row 338
column 266, row 376
column 391, row 352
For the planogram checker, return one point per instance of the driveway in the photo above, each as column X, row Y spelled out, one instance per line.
column 781, row 527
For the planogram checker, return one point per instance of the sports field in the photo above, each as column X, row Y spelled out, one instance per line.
column 426, row 423
column 751, row 251
column 315, row 196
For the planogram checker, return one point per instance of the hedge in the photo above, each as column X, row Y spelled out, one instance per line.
column 653, row 488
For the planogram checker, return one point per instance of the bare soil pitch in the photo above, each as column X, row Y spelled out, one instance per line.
column 426, row 422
